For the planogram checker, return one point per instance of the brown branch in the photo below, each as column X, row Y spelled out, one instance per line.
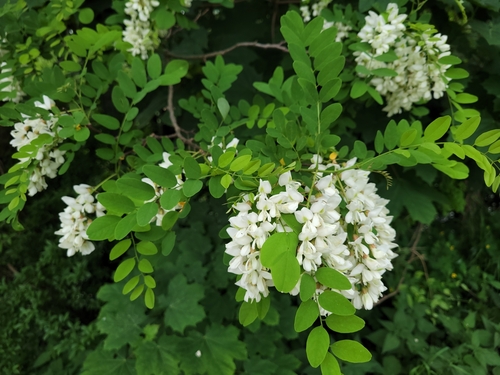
column 278, row 46
column 12, row 269
column 171, row 111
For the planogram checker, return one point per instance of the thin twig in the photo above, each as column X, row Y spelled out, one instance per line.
column 171, row 111
column 278, row 46
column 12, row 269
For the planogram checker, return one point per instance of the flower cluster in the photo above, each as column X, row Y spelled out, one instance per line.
column 345, row 226
column 138, row 28
column 12, row 87
column 316, row 9
column 159, row 191
column 75, row 221
column 48, row 158
column 420, row 76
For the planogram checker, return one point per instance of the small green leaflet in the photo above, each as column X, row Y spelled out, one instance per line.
column 437, row 128
column 330, row 366
column 307, row 287
column 336, row 303
column 278, row 253
column 351, row 351
column 317, row 345
column 119, row 249
column 345, row 324
column 467, row 128
column 124, row 269
column 332, row 278
column 306, row 315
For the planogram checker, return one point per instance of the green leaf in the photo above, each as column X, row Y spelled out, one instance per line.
column 130, row 285
column 330, row 114
column 182, row 303
column 464, row 98
column 449, row 60
column 108, row 122
column 330, row 366
column 332, row 278
column 146, row 248
column 135, row 189
column 351, row 351
column 336, row 303
column 263, row 307
column 170, row 198
column 487, row 138
column 164, row 18
column 494, row 148
column 149, row 298
column 101, row 361
column 149, row 281
column 146, row 213
column 240, row 163
column 192, row 168
column 408, row 137
column 103, row 228
column 223, row 107
column 226, row 158
column 125, row 225
column 138, row 72
column 168, row 243
column 154, row 66
column 176, row 69
column 278, row 253
column 145, row 266
column 248, row 313
column 86, row 16
column 468, row 128
column 124, row 269
column 330, row 90
column 358, row 89
column 437, row 128
column 137, row 292
column 345, row 324
column 317, row 345
column 307, row 287
column 456, row 73
column 379, row 142
column 219, row 347
column 169, row 220
column 119, row 100
column 306, row 315
column 215, row 187
column 384, row 72
column 70, row 66
column 119, row 249
column 81, row 134
column 191, row 187
column 155, row 358
column 116, row 203
column 391, row 135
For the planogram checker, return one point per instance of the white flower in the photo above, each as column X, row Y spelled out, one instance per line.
column 138, row 28
column 75, row 221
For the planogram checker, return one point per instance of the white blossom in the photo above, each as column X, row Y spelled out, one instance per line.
column 13, row 87
column 324, row 240
column 48, row 159
column 75, row 221
column 138, row 27
column 420, row 76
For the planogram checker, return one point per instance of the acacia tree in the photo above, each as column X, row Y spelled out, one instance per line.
column 294, row 159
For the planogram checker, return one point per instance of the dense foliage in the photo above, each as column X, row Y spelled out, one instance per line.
column 293, row 145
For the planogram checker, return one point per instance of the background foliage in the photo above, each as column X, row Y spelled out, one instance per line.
column 440, row 316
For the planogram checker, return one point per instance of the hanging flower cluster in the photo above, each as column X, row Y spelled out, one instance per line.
column 315, row 10
column 345, row 226
column 48, row 158
column 159, row 191
column 420, row 76
column 138, row 28
column 75, row 220
column 13, row 87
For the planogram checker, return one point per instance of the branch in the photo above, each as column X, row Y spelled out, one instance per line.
column 178, row 130
column 278, row 46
